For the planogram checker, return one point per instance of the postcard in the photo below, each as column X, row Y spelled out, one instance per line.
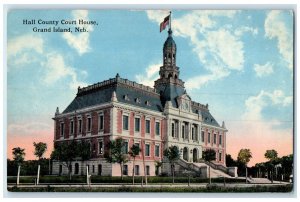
column 127, row 100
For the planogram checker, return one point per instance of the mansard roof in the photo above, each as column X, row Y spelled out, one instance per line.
column 170, row 93
column 206, row 115
column 128, row 92
column 135, row 94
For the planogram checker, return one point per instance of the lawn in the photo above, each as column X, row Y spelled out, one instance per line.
column 109, row 180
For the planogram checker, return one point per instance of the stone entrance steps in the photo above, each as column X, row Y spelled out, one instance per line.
column 214, row 173
column 259, row 180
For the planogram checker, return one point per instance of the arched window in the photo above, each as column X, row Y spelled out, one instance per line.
column 195, row 155
column 76, row 169
column 99, row 169
column 70, row 168
column 186, row 154
column 170, row 75
column 175, row 76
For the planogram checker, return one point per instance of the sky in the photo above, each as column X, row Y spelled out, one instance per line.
column 240, row 62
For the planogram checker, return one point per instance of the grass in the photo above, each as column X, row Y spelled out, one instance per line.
column 209, row 189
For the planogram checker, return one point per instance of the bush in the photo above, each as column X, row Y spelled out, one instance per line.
column 126, row 179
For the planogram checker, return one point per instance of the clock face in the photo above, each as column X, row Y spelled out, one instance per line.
column 185, row 105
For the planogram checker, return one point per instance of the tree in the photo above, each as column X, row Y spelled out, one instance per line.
column 230, row 162
column 39, row 150
column 261, row 169
column 116, row 153
column 65, row 152
column 271, row 155
column 18, row 156
column 244, row 157
column 134, row 151
column 172, row 154
column 84, row 152
column 209, row 155
column 287, row 165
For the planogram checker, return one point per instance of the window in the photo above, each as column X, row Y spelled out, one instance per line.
column 157, row 150
column 76, row 168
column 125, row 169
column 93, row 168
column 89, row 124
column 147, row 170
column 157, row 128
column 176, row 129
column 88, row 168
column 220, row 156
column 202, row 136
column 182, row 131
column 89, row 145
column 173, row 130
column 72, row 127
column 137, row 170
column 80, row 126
column 101, row 122
column 100, row 147
column 156, row 170
column 215, row 138
column 62, row 128
column 137, row 124
column 70, row 168
column 193, row 133
column 125, row 147
column 208, row 137
column 147, row 152
column 99, row 169
column 147, row 126
column 137, row 100
column 125, row 122
column 126, row 97
column 137, row 144
column 220, row 139
column 60, row 169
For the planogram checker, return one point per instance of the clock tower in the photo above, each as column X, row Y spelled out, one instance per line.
column 169, row 85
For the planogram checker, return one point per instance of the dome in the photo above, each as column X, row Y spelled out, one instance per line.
column 170, row 41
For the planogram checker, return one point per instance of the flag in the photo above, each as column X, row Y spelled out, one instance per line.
column 164, row 23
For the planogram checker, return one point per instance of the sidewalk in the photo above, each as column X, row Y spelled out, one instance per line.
column 148, row 185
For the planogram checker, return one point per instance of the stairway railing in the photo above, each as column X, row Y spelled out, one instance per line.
column 216, row 166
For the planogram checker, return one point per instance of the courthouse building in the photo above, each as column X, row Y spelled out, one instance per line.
column 155, row 118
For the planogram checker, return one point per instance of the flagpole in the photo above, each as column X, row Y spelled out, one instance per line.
column 170, row 20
